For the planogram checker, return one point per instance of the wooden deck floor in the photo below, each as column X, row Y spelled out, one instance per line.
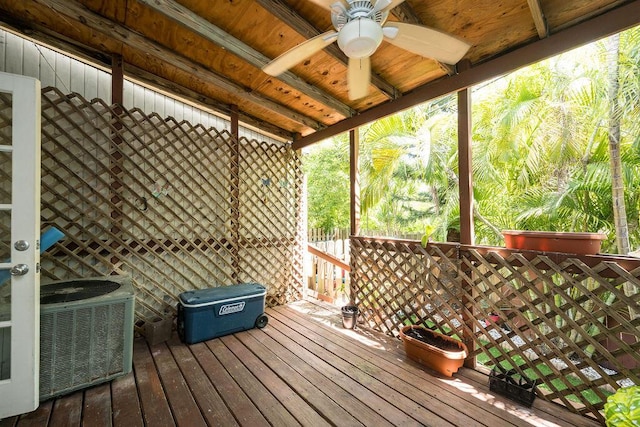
column 302, row 369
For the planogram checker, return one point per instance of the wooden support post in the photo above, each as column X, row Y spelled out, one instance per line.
column 466, row 207
column 465, row 168
column 116, row 168
column 354, row 177
column 235, row 193
column 117, row 80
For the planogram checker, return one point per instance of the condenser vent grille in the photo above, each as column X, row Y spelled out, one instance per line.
column 84, row 345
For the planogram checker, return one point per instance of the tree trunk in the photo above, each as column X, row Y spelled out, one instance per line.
column 617, row 182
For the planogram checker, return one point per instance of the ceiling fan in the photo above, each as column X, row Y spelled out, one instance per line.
column 359, row 29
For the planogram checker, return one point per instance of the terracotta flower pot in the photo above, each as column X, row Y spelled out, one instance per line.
column 548, row 241
column 445, row 361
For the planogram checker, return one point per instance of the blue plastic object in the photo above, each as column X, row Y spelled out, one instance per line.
column 204, row 314
column 47, row 239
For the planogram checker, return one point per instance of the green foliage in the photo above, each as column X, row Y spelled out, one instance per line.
column 623, row 408
column 540, row 156
column 327, row 171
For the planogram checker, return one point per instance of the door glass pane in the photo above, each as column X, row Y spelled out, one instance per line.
column 5, row 144
column 5, row 295
column 5, row 353
column 5, row 233
column 5, row 176
column 5, row 118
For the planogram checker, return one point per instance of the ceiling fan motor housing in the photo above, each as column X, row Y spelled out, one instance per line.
column 360, row 38
column 359, row 27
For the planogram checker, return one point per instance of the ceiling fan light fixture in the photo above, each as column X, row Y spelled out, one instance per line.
column 360, row 38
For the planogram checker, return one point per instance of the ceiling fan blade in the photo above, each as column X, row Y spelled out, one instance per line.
column 358, row 77
column 428, row 42
column 299, row 53
column 391, row 5
column 381, row 5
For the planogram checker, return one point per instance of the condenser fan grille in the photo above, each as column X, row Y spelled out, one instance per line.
column 75, row 291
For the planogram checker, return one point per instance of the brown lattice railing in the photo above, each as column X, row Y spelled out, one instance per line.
column 570, row 321
column 173, row 205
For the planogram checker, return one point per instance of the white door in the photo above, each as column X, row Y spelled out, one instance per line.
column 19, row 244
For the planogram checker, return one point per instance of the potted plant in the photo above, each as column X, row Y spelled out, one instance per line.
column 433, row 349
column 551, row 241
column 623, row 407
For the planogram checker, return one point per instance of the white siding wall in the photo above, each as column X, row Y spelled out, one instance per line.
column 22, row 56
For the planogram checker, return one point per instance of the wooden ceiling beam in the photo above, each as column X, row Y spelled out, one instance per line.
column 284, row 13
column 98, row 59
column 538, row 18
column 405, row 13
column 73, row 10
column 610, row 22
column 205, row 29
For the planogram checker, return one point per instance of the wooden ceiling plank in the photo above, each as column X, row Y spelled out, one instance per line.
column 73, row 10
column 611, row 22
column 286, row 14
column 195, row 23
column 405, row 13
column 538, row 18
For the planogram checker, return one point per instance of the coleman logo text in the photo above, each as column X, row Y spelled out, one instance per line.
column 236, row 307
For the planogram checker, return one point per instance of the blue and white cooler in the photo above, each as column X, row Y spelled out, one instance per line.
column 204, row 314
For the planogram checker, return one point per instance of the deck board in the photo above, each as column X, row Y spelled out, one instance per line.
column 427, row 387
column 211, row 405
column 155, row 409
column 126, row 403
column 362, row 384
column 302, row 369
column 97, row 406
column 243, row 409
column 294, row 399
column 67, row 410
column 183, row 405
column 321, row 377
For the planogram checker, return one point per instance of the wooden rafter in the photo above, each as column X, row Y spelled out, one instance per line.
column 283, row 12
column 405, row 13
column 613, row 21
column 75, row 11
column 207, row 30
column 92, row 56
column 538, row 18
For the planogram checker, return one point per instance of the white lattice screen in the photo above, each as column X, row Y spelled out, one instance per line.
column 175, row 206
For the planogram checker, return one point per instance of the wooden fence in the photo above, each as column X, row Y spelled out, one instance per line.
column 174, row 206
column 320, row 235
column 569, row 321
column 328, row 267
column 328, row 278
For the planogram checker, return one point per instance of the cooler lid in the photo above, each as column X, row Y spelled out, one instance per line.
column 221, row 294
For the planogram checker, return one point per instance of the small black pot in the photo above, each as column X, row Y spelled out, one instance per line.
column 349, row 316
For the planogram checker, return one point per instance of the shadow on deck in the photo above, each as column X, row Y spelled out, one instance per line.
column 302, row 369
